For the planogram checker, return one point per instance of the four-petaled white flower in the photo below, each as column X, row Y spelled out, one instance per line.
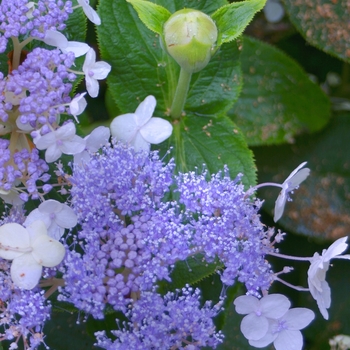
column 29, row 249
column 98, row 138
column 94, row 71
column 63, row 140
column 284, row 332
column 292, row 182
column 55, row 215
column 77, row 105
column 90, row 13
column 139, row 129
column 269, row 320
column 255, row 325
column 57, row 39
column 318, row 285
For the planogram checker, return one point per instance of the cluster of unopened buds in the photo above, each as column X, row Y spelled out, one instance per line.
column 115, row 210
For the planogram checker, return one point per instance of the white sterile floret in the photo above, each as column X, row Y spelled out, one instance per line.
column 292, row 182
column 29, row 249
column 93, row 142
column 140, row 129
column 77, row 105
column 56, row 216
column 285, row 331
column 255, row 325
column 94, row 71
column 90, row 13
column 318, row 285
column 63, row 140
column 57, row 39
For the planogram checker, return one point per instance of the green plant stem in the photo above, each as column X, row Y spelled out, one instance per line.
column 180, row 94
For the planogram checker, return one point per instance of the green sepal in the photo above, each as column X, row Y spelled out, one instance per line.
column 152, row 15
column 232, row 19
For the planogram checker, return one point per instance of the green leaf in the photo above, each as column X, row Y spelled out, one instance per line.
column 232, row 19
column 141, row 67
column 324, row 24
column 152, row 15
column 213, row 143
column 190, row 272
column 278, row 100
column 320, row 206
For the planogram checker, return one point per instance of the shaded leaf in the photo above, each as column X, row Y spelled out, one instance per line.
column 278, row 100
column 324, row 24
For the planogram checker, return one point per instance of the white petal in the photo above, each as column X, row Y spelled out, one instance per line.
column 279, row 205
column 36, row 229
column 55, row 231
column 55, row 38
column 45, row 141
column 289, row 340
column 254, row 327
column 73, row 146
column 298, row 178
column 36, row 215
column 78, row 105
column 124, row 127
column 13, row 235
column 336, row 248
column 90, row 13
column 50, row 206
column 65, row 132
column 52, row 153
column 100, row 70
column 246, row 304
column 298, row 318
column 156, row 130
column 268, row 338
column 92, row 86
column 140, row 144
column 145, row 109
column 274, row 305
column 25, row 272
column 294, row 172
column 78, row 48
column 47, row 251
column 90, row 60
column 97, row 138
column 66, row 218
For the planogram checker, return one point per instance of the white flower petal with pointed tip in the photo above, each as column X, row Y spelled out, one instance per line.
column 77, row 105
column 140, row 129
column 29, row 249
column 94, row 71
column 318, row 286
column 57, row 39
column 56, row 216
column 292, row 182
column 63, row 140
column 90, row 13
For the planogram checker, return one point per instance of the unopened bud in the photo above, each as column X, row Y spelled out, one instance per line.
column 190, row 37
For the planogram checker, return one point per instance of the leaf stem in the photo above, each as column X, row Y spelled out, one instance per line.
column 180, row 94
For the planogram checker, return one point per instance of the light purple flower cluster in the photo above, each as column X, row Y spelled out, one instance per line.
column 174, row 321
column 22, row 312
column 44, row 81
column 131, row 236
column 225, row 224
column 22, row 17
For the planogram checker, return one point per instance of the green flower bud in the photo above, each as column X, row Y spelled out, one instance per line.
column 190, row 37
